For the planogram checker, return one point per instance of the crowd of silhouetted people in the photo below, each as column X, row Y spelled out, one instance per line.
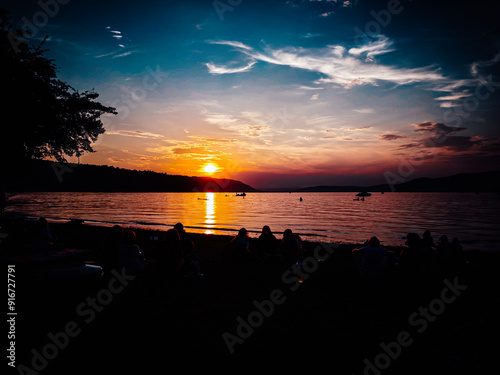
column 267, row 247
column 28, row 238
column 174, row 253
column 420, row 261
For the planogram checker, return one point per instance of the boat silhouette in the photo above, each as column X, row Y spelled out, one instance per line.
column 363, row 194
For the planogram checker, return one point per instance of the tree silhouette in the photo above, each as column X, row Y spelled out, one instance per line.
column 42, row 116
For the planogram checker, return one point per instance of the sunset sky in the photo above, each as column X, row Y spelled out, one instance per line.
column 284, row 93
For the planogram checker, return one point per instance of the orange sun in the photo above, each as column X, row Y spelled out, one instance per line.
column 210, row 168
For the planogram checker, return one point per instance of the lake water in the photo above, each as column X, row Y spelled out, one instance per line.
column 328, row 217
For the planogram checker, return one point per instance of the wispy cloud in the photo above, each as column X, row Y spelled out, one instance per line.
column 135, row 133
column 336, row 64
column 359, row 128
column 379, row 47
column 225, row 70
column 310, row 35
column 245, row 123
column 478, row 65
column 364, row 110
column 455, row 96
column 231, row 43
column 123, row 54
column 125, row 48
column 310, row 88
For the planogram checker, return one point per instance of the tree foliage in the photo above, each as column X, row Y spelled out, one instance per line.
column 42, row 116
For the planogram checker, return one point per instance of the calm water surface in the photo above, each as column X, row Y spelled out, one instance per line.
column 329, row 217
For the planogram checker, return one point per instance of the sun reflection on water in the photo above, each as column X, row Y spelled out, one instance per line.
column 209, row 213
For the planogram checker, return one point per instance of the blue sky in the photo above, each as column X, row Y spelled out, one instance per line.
column 284, row 93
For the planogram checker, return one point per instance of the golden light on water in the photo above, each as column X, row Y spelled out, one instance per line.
column 209, row 212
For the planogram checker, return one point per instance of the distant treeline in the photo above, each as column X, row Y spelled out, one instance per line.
column 43, row 175
column 463, row 182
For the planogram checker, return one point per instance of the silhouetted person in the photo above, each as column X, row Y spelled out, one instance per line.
column 72, row 235
column 267, row 244
column 239, row 246
column 187, row 244
column 130, row 255
column 42, row 238
column 415, row 267
column 412, row 259
column 427, row 240
column 291, row 246
column 111, row 249
column 373, row 259
column 191, row 261
column 170, row 257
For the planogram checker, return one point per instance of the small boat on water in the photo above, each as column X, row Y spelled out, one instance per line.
column 363, row 194
column 241, row 195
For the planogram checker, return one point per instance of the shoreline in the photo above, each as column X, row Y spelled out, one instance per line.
column 93, row 235
column 199, row 231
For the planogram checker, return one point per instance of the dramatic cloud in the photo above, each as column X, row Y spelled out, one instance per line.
column 453, row 142
column 391, row 137
column 437, row 128
column 443, row 136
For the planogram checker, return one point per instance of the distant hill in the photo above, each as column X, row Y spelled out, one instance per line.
column 43, row 175
column 463, row 182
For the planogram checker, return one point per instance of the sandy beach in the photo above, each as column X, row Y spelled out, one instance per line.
column 250, row 315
